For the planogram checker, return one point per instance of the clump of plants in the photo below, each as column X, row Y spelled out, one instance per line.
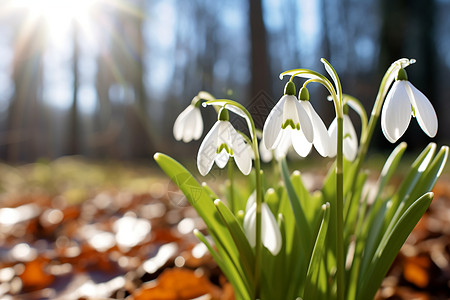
column 274, row 239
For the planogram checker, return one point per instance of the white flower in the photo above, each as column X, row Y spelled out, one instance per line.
column 350, row 143
column 221, row 142
column 265, row 154
column 289, row 121
column 189, row 124
column 270, row 232
column 402, row 101
column 321, row 138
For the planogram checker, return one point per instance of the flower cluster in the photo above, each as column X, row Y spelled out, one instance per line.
column 285, row 218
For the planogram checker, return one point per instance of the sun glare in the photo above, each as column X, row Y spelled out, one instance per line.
column 59, row 15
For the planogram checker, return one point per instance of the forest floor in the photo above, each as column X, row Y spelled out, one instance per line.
column 71, row 229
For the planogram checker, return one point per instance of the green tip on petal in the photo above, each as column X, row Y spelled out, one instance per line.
column 289, row 88
column 223, row 114
column 402, row 74
column 304, row 94
column 196, row 102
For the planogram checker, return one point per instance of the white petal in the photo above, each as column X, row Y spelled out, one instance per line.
column 283, row 144
column 424, row 111
column 208, row 150
column 350, row 139
column 242, row 152
column 332, row 132
column 250, row 201
column 321, row 137
column 273, row 123
column 300, row 143
column 270, row 232
column 224, row 137
column 350, row 143
column 396, row 112
column 250, row 225
column 265, row 154
column 222, row 159
column 198, row 128
column 305, row 122
column 179, row 125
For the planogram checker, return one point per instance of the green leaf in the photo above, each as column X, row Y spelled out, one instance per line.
column 300, row 218
column 382, row 213
column 416, row 171
column 201, row 201
column 271, row 198
column 230, row 273
column 237, row 232
column 312, row 277
column 390, row 167
column 386, row 252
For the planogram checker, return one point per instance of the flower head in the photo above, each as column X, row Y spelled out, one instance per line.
column 350, row 143
column 270, row 232
column 189, row 124
column 289, row 121
column 321, row 138
column 402, row 101
column 221, row 142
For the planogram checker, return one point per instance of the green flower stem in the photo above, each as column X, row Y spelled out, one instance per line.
column 230, row 167
column 336, row 94
column 355, row 103
column 259, row 189
column 340, row 254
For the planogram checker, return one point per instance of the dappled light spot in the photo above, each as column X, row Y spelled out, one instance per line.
column 163, row 255
column 23, row 252
column 130, row 231
column 11, row 216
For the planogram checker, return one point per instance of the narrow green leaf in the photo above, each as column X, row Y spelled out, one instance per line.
column 272, row 200
column 424, row 184
column 209, row 191
column 386, row 252
column 390, row 167
column 299, row 213
column 229, row 271
column 201, row 201
column 382, row 213
column 237, row 232
column 416, row 171
column 312, row 277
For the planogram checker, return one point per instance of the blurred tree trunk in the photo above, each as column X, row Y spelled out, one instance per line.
column 393, row 32
column 259, row 57
column 73, row 136
column 142, row 134
column 23, row 136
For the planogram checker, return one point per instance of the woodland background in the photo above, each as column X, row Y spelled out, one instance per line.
column 110, row 83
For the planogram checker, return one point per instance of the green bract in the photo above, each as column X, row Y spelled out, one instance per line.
column 334, row 243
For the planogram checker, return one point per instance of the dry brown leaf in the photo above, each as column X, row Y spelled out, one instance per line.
column 34, row 275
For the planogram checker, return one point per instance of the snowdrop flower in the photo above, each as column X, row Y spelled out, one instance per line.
column 289, row 122
column 321, row 138
column 221, row 142
column 189, row 124
column 270, row 232
column 350, row 143
column 265, row 154
column 402, row 101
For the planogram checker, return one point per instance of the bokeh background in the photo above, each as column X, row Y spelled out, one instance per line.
column 107, row 78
